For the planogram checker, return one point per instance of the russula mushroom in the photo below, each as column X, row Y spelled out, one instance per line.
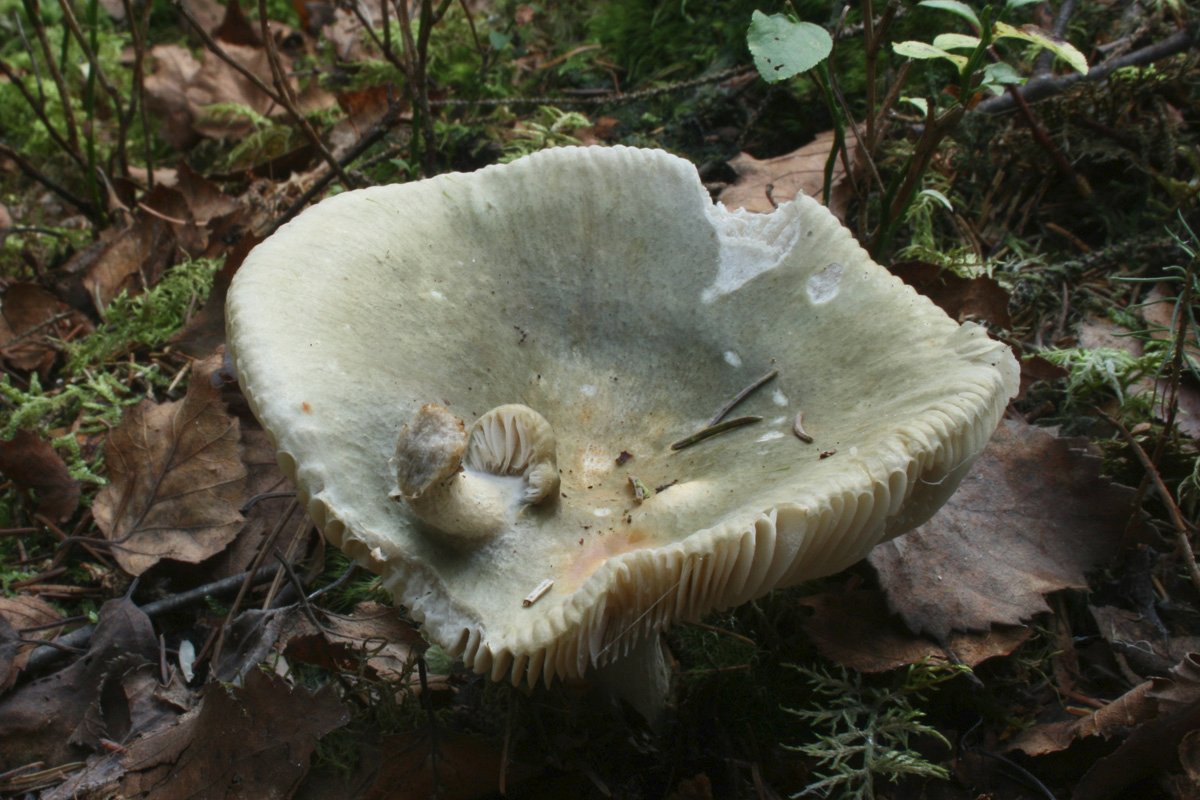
column 485, row 346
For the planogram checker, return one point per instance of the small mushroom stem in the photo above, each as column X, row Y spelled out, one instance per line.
column 464, row 506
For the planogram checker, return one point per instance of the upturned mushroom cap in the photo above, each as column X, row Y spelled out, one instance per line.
column 603, row 290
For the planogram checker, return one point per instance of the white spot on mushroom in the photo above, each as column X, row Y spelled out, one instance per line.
column 587, row 390
column 751, row 244
column 436, row 295
column 779, row 398
column 823, row 286
column 778, row 420
column 766, row 437
column 732, row 359
column 377, row 555
column 601, row 512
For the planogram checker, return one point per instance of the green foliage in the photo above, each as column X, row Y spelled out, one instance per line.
column 865, row 733
column 548, row 127
column 144, row 320
column 784, row 47
column 1100, row 372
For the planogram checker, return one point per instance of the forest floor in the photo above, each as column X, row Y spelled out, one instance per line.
column 1043, row 645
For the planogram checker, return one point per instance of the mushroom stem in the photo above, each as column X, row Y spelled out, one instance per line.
column 468, row 485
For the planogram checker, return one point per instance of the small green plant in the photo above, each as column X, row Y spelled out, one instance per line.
column 550, row 127
column 864, row 733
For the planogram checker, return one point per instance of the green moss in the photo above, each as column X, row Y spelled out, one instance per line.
column 145, row 320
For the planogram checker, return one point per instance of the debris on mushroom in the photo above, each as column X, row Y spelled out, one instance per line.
column 468, row 485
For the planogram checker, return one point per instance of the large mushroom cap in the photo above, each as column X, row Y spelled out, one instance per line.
column 601, row 289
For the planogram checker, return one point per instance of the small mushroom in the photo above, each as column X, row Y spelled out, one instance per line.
column 640, row 317
column 509, row 462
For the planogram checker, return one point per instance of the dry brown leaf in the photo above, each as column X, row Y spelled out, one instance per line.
column 980, row 299
column 130, row 262
column 856, row 630
column 1032, row 517
column 1146, row 647
column 52, row 718
column 17, row 616
column 1153, row 747
column 33, row 323
column 388, row 641
column 176, row 479
column 253, row 741
column 263, row 477
column 31, row 463
column 1156, row 699
column 763, row 185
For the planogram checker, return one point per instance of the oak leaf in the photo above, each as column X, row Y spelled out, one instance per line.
column 176, row 479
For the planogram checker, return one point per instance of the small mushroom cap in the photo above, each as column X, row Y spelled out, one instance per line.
column 601, row 288
column 429, row 450
column 516, row 440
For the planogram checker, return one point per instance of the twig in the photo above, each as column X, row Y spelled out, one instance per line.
column 1045, row 86
column 1043, row 138
column 39, row 110
column 79, row 638
column 1182, row 529
column 220, row 53
column 369, row 140
column 742, row 395
column 39, row 28
column 288, row 97
column 713, row 430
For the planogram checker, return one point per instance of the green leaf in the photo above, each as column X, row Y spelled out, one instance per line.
column 924, row 52
column 920, row 102
column 998, row 75
column 783, row 47
column 1064, row 50
column 1014, row 4
column 955, row 41
column 954, row 7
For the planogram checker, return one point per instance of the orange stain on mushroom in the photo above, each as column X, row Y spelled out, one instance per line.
column 305, row 407
column 598, row 549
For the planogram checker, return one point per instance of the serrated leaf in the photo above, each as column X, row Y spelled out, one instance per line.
column 999, row 74
column 783, row 47
column 956, row 41
column 1064, row 50
column 176, row 479
column 954, row 7
column 924, row 52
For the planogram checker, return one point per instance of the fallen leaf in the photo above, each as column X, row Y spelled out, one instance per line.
column 255, row 740
column 763, row 185
column 176, row 479
column 23, row 620
column 56, row 718
column 372, row 631
column 1153, row 746
column 981, row 299
column 1032, row 517
column 856, row 630
column 31, row 463
column 130, row 262
column 1145, row 646
column 33, row 325
column 263, row 479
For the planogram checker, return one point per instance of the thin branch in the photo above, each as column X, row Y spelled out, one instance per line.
column 1182, row 529
column 79, row 638
column 288, row 97
column 86, row 208
column 1045, row 86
